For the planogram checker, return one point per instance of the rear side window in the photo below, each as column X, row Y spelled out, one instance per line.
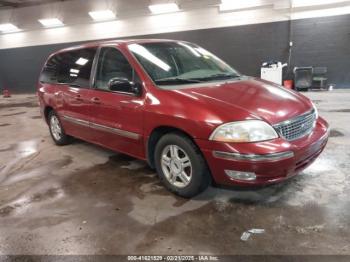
column 73, row 67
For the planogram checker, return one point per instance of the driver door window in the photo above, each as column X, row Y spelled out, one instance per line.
column 112, row 64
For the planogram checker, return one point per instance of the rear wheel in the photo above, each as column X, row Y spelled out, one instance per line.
column 56, row 130
column 181, row 166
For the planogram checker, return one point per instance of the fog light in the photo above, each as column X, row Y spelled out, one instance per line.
column 240, row 175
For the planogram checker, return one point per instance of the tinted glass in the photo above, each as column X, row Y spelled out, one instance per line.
column 112, row 64
column 49, row 72
column 75, row 67
column 172, row 63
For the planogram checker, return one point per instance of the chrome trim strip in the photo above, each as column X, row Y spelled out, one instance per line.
column 102, row 127
column 253, row 157
column 115, row 131
column 328, row 132
column 76, row 120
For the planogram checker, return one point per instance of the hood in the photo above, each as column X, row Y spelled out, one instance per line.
column 259, row 99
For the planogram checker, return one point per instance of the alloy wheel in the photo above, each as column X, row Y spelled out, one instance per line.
column 176, row 166
column 55, row 127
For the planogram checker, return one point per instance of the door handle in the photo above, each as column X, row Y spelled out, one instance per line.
column 96, row 100
column 78, row 98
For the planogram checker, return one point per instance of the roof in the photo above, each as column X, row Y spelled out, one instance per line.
column 114, row 42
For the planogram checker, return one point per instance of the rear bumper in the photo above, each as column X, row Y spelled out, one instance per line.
column 271, row 161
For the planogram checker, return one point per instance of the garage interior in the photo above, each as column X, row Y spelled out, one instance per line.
column 82, row 199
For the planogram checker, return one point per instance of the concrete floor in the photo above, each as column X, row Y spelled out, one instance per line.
column 83, row 199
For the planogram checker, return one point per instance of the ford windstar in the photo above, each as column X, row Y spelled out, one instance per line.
column 190, row 115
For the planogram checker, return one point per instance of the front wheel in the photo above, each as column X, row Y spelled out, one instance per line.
column 181, row 166
column 56, row 130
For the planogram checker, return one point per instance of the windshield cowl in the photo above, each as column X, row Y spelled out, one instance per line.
column 182, row 81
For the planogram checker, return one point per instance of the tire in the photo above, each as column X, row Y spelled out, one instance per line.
column 56, row 130
column 192, row 174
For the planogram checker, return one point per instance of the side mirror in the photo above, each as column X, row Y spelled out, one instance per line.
column 124, row 85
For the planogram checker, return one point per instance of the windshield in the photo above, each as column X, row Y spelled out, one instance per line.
column 176, row 63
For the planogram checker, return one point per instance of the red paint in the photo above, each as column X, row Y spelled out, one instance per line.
column 196, row 111
column 288, row 84
column 6, row 93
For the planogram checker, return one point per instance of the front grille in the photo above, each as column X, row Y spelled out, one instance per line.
column 297, row 127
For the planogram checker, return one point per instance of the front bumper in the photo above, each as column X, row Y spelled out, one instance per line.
column 271, row 161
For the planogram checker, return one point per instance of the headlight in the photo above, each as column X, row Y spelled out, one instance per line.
column 244, row 131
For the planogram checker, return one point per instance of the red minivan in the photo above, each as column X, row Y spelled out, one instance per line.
column 189, row 114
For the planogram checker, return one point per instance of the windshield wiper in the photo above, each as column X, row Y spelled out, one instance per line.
column 177, row 80
column 218, row 77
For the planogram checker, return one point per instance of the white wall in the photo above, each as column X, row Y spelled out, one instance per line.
column 137, row 21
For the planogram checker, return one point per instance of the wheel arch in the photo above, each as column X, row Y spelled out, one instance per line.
column 47, row 111
column 154, row 137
